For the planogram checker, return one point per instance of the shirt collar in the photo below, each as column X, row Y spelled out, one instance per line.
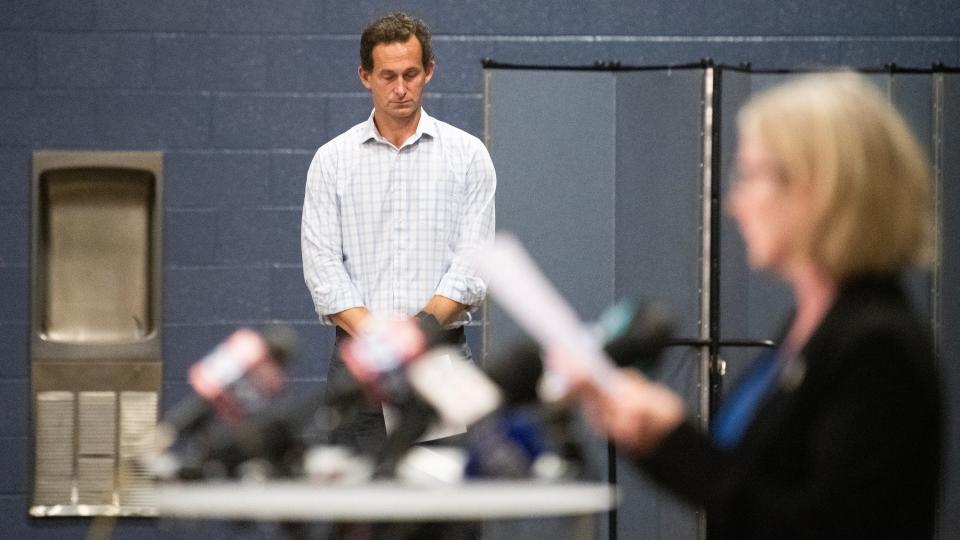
column 426, row 126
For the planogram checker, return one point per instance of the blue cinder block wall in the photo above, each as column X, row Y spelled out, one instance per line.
column 238, row 95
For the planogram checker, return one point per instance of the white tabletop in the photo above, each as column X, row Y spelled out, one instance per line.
column 383, row 501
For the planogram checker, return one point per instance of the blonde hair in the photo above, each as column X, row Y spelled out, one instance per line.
column 840, row 141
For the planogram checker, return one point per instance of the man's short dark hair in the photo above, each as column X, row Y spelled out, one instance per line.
column 394, row 27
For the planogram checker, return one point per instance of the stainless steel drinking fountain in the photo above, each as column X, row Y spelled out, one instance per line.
column 96, row 367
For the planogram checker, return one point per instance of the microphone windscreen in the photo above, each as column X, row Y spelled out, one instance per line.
column 517, row 373
column 282, row 343
column 635, row 335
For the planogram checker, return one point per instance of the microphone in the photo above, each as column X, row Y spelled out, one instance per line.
column 635, row 334
column 517, row 374
column 272, row 437
column 505, row 444
column 378, row 356
column 511, row 441
column 529, row 298
column 632, row 334
column 517, row 284
column 385, row 359
column 238, row 379
column 396, row 362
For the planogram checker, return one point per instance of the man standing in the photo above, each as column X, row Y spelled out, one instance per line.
column 394, row 208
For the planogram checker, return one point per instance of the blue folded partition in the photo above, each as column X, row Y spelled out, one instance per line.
column 600, row 175
column 614, row 178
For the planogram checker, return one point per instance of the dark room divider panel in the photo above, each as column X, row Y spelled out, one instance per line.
column 555, row 190
column 600, row 175
column 946, row 306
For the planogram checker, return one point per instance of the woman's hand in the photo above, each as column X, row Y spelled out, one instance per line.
column 637, row 413
column 633, row 411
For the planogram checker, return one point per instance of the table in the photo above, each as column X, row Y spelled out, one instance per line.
column 383, row 501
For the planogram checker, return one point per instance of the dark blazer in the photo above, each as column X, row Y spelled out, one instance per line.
column 847, row 446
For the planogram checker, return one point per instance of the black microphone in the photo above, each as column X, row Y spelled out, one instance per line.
column 393, row 363
column 517, row 373
column 508, row 441
column 633, row 335
column 274, row 437
column 378, row 357
column 379, row 360
column 238, row 379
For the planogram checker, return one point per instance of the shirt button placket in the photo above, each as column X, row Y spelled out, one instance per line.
column 398, row 226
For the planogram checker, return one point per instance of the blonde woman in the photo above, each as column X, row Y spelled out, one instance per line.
column 836, row 432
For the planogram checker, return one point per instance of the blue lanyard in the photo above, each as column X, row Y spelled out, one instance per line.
column 739, row 409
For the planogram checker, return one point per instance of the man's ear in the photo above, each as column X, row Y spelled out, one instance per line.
column 364, row 77
column 428, row 71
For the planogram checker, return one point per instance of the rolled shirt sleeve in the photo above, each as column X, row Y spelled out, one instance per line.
column 330, row 286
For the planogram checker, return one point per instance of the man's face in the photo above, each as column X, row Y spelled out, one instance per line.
column 397, row 79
